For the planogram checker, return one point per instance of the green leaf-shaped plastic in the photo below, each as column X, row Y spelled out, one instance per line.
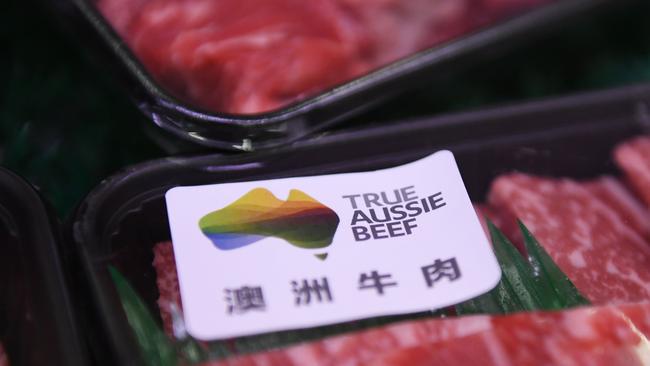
column 517, row 276
column 490, row 303
column 537, row 285
column 156, row 347
column 549, row 276
column 514, row 292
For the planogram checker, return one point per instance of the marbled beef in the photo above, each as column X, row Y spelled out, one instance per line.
column 601, row 336
column 606, row 335
column 633, row 157
column 607, row 260
column 251, row 56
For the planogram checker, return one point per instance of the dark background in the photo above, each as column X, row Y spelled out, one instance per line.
column 65, row 125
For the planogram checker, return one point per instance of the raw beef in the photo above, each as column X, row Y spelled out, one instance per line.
column 586, row 336
column 607, row 260
column 639, row 315
column 620, row 200
column 167, row 280
column 251, row 56
column 362, row 347
column 633, row 157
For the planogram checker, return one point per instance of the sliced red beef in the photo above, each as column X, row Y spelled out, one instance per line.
column 167, row 280
column 633, row 157
column 639, row 315
column 251, row 56
column 361, row 347
column 121, row 13
column 587, row 336
column 397, row 28
column 244, row 56
column 620, row 200
column 607, row 260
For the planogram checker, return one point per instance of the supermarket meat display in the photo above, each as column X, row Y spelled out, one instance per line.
column 597, row 233
column 252, row 56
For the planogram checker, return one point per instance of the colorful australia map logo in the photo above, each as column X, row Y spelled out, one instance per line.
column 301, row 221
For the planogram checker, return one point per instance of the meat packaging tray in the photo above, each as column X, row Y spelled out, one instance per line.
column 119, row 223
column 287, row 124
column 38, row 325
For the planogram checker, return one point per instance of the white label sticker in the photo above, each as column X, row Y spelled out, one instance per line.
column 280, row 254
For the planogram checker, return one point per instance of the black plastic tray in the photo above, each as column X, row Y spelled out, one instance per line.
column 125, row 216
column 254, row 132
column 38, row 325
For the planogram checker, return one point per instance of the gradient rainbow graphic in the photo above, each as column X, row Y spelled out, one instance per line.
column 300, row 220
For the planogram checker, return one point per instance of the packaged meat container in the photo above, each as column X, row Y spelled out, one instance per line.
column 566, row 143
column 38, row 325
column 319, row 110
